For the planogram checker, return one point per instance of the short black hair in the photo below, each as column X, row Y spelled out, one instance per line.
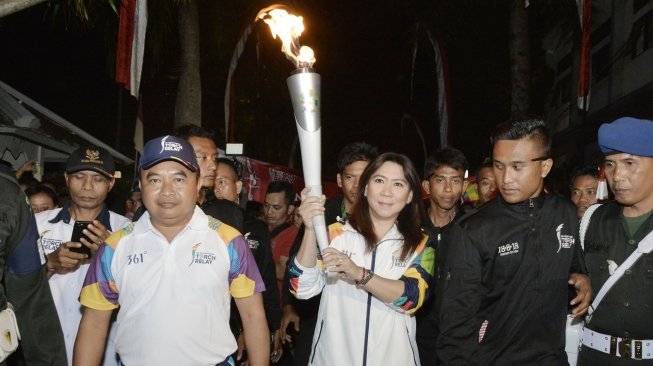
column 486, row 163
column 534, row 129
column 447, row 156
column 38, row 189
column 591, row 170
column 233, row 164
column 356, row 151
column 285, row 187
column 187, row 131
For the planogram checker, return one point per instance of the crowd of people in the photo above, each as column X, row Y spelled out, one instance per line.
column 191, row 273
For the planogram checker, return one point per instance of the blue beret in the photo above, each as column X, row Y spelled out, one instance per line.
column 627, row 135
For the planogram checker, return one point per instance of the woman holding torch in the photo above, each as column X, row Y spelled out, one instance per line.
column 375, row 273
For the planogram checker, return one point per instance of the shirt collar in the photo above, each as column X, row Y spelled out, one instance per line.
column 64, row 215
column 199, row 221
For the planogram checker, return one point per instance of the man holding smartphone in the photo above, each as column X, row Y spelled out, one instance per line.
column 89, row 178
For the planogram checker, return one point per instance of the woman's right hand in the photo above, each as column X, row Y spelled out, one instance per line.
column 311, row 206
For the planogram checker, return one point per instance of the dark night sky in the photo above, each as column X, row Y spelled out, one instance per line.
column 363, row 52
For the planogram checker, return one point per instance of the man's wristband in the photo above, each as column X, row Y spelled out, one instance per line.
column 367, row 276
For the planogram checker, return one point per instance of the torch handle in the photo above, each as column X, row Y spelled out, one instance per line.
column 319, row 223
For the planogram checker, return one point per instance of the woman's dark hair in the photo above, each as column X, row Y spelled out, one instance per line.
column 410, row 217
column 31, row 191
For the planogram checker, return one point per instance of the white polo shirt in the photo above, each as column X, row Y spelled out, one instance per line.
column 55, row 228
column 174, row 297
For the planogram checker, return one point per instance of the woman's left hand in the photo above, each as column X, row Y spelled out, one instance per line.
column 337, row 261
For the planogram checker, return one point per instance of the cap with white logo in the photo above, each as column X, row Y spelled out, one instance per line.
column 168, row 148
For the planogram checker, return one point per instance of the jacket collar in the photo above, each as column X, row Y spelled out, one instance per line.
column 64, row 215
column 524, row 206
column 392, row 234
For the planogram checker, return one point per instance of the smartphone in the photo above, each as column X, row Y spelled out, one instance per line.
column 78, row 229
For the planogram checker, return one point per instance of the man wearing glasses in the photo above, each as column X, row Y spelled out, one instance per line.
column 506, row 295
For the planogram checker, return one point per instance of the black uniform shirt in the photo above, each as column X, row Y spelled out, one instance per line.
column 627, row 309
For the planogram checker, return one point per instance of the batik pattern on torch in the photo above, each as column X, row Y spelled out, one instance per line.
column 346, row 328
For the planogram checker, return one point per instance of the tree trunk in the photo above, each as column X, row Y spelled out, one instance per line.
column 520, row 105
column 188, row 107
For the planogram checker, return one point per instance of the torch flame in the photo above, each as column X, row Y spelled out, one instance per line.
column 288, row 28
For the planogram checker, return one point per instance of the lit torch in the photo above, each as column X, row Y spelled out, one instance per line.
column 304, row 87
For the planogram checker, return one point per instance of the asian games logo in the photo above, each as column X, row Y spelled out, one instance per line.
column 200, row 257
column 564, row 241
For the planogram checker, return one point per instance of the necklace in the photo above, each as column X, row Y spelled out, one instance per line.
column 452, row 215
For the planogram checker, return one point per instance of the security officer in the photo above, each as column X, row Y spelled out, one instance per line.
column 510, row 264
column 25, row 278
column 621, row 329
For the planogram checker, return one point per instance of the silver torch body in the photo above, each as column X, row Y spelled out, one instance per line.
column 304, row 87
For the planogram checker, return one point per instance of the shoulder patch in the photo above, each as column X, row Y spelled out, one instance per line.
column 214, row 224
column 224, row 231
column 114, row 238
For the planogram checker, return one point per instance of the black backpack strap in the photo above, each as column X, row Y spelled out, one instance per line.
column 277, row 230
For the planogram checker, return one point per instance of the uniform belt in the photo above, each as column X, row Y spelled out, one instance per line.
column 639, row 349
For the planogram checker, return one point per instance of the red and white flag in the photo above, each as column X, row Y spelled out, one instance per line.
column 585, row 66
column 131, row 44
column 129, row 55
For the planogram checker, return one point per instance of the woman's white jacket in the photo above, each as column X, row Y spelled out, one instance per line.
column 354, row 327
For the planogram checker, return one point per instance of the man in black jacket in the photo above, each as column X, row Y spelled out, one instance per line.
column 506, row 294
column 620, row 332
column 207, row 157
column 228, row 186
column 25, row 279
column 445, row 182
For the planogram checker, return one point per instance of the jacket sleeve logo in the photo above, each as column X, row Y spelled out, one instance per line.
column 564, row 241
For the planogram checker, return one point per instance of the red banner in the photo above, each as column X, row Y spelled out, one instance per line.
column 258, row 174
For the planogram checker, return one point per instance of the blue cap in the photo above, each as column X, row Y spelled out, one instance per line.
column 168, row 148
column 627, row 135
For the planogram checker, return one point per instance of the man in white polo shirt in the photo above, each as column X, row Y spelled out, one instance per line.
column 172, row 273
column 89, row 178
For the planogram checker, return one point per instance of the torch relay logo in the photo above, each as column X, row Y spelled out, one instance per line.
column 200, row 257
column 169, row 146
